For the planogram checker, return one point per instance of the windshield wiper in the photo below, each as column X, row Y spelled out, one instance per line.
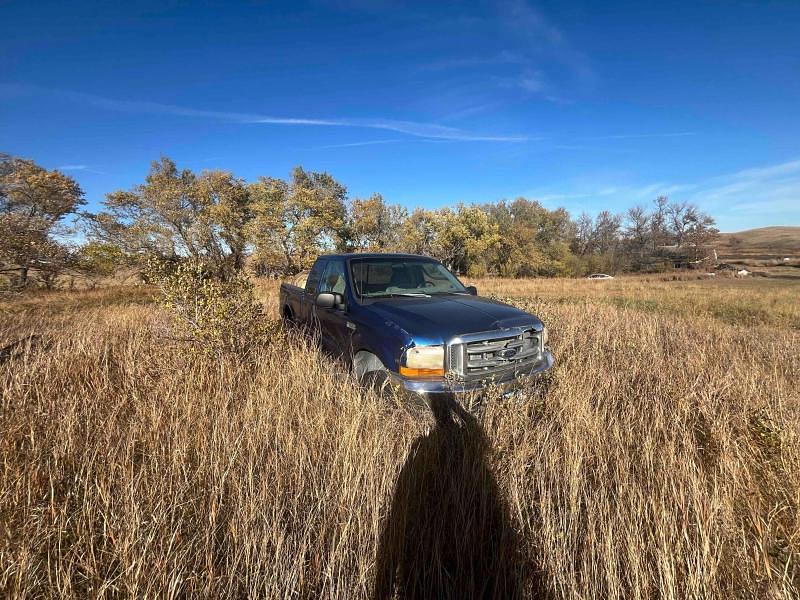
column 406, row 294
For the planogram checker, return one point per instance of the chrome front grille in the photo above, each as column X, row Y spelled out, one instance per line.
column 476, row 357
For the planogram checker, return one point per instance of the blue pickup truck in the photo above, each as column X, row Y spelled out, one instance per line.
column 408, row 320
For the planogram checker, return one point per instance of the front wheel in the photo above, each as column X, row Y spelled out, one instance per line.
column 378, row 380
column 371, row 373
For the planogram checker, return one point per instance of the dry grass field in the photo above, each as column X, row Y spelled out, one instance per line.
column 661, row 457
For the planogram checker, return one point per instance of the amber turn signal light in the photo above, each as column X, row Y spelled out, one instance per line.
column 409, row 372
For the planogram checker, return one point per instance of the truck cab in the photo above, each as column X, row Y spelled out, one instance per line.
column 407, row 319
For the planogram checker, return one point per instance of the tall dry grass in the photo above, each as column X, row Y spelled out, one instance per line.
column 659, row 459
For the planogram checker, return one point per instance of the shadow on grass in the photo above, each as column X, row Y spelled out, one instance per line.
column 448, row 534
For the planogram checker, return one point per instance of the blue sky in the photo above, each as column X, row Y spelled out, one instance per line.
column 586, row 105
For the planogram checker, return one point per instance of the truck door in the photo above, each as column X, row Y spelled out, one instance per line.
column 334, row 334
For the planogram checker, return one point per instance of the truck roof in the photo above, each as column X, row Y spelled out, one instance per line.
column 374, row 255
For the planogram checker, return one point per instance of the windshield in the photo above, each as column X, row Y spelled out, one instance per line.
column 375, row 277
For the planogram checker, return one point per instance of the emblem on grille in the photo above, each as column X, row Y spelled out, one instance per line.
column 507, row 353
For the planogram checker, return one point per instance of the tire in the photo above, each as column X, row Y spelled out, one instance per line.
column 287, row 318
column 379, row 381
column 372, row 374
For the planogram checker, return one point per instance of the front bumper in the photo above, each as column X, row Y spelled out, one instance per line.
column 440, row 385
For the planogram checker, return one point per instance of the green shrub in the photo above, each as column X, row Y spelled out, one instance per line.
column 214, row 315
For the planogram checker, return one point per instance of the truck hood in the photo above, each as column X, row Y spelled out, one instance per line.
column 439, row 318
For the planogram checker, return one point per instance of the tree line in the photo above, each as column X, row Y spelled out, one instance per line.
column 277, row 227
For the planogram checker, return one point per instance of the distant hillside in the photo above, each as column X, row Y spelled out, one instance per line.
column 764, row 242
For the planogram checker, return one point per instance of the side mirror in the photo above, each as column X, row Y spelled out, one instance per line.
column 338, row 301
column 326, row 300
column 329, row 300
column 472, row 290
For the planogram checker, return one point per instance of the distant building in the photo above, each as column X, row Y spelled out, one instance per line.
column 687, row 256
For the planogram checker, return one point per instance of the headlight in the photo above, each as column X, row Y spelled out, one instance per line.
column 545, row 337
column 423, row 361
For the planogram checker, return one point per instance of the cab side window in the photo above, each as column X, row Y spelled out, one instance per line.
column 333, row 279
column 312, row 283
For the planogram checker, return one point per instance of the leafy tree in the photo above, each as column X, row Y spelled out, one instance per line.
column 98, row 260
column 226, row 215
column 598, row 242
column 33, row 205
column 294, row 221
column 536, row 241
column 216, row 220
column 543, row 237
column 516, row 253
column 465, row 239
column 375, row 225
column 418, row 232
column 176, row 214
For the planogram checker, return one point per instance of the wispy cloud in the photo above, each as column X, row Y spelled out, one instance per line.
column 544, row 37
column 411, row 128
column 537, row 59
column 506, row 57
column 533, row 83
column 635, row 193
column 560, row 197
column 624, row 194
column 747, row 198
column 355, row 144
column 469, row 111
column 753, row 193
column 787, row 169
column 592, row 148
column 630, row 136
column 525, row 16
column 85, row 168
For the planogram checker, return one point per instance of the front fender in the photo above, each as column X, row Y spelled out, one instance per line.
column 381, row 339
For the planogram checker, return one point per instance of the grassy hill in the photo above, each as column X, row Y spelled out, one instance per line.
column 764, row 242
